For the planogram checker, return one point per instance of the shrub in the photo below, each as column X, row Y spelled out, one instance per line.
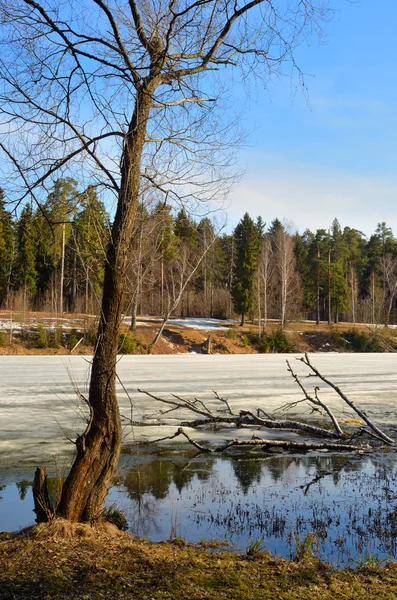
column 359, row 341
column 41, row 338
column 127, row 343
column 232, row 333
column 279, row 342
column 3, row 339
column 73, row 338
column 245, row 340
column 54, row 338
column 90, row 336
column 276, row 341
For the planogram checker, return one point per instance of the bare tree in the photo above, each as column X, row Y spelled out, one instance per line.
column 127, row 94
column 388, row 266
column 286, row 267
column 266, row 268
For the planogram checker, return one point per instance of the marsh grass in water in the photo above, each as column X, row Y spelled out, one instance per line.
column 348, row 513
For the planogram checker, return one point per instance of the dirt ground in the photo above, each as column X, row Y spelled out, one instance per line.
column 62, row 561
column 19, row 336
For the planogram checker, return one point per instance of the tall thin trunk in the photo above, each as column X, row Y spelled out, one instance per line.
column 62, row 270
column 353, row 292
column 231, row 280
column 98, row 448
column 138, row 282
column 259, row 305
column 329, row 284
column 318, row 289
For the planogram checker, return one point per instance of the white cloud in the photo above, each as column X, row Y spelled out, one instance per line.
column 312, row 197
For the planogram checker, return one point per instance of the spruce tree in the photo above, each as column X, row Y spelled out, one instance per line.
column 247, row 237
column 25, row 276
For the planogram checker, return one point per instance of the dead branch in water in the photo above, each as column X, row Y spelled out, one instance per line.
column 335, row 439
column 266, row 444
column 385, row 438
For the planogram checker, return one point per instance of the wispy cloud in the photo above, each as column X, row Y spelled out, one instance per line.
column 312, row 197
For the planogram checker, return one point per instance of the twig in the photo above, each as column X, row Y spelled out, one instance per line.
column 224, row 400
column 316, row 401
column 385, row 438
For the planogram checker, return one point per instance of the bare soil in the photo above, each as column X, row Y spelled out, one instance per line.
column 302, row 336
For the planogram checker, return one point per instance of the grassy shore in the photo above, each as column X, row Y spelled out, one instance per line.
column 61, row 560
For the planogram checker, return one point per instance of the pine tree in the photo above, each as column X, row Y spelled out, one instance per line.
column 7, row 253
column 86, row 250
column 25, row 275
column 247, row 246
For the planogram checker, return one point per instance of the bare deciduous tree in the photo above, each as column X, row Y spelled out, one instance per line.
column 285, row 265
column 127, row 93
column 388, row 266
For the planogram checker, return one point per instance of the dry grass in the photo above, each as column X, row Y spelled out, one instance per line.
column 303, row 336
column 62, row 561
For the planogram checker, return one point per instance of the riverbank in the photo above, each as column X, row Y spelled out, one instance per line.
column 63, row 561
column 48, row 334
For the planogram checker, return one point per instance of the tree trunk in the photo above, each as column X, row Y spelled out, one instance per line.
column 98, row 448
column 138, row 283
column 62, row 271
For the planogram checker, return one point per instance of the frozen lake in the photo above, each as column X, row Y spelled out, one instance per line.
column 39, row 409
column 347, row 501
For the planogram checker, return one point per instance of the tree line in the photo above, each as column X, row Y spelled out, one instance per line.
column 52, row 258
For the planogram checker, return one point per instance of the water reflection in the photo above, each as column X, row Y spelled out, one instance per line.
column 348, row 502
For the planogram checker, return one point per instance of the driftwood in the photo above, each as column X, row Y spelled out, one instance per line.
column 360, row 413
column 335, row 439
column 266, row 444
column 42, row 505
column 245, row 417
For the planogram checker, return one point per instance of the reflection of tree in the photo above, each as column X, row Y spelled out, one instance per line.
column 23, row 487
column 153, row 478
column 143, row 519
column 54, row 489
column 183, row 474
column 182, row 477
column 247, row 472
column 278, row 465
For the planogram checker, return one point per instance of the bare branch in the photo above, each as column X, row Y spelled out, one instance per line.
column 361, row 414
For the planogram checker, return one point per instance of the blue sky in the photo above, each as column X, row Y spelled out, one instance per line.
column 335, row 154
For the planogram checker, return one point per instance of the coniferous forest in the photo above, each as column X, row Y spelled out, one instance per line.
column 52, row 259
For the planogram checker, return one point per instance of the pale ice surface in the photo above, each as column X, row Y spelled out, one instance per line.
column 39, row 409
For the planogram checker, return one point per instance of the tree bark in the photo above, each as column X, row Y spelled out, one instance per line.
column 98, row 448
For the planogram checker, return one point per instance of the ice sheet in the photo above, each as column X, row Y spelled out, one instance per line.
column 39, row 410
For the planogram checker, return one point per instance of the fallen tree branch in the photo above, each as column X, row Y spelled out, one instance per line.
column 385, row 438
column 266, row 444
column 245, row 417
column 316, row 400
